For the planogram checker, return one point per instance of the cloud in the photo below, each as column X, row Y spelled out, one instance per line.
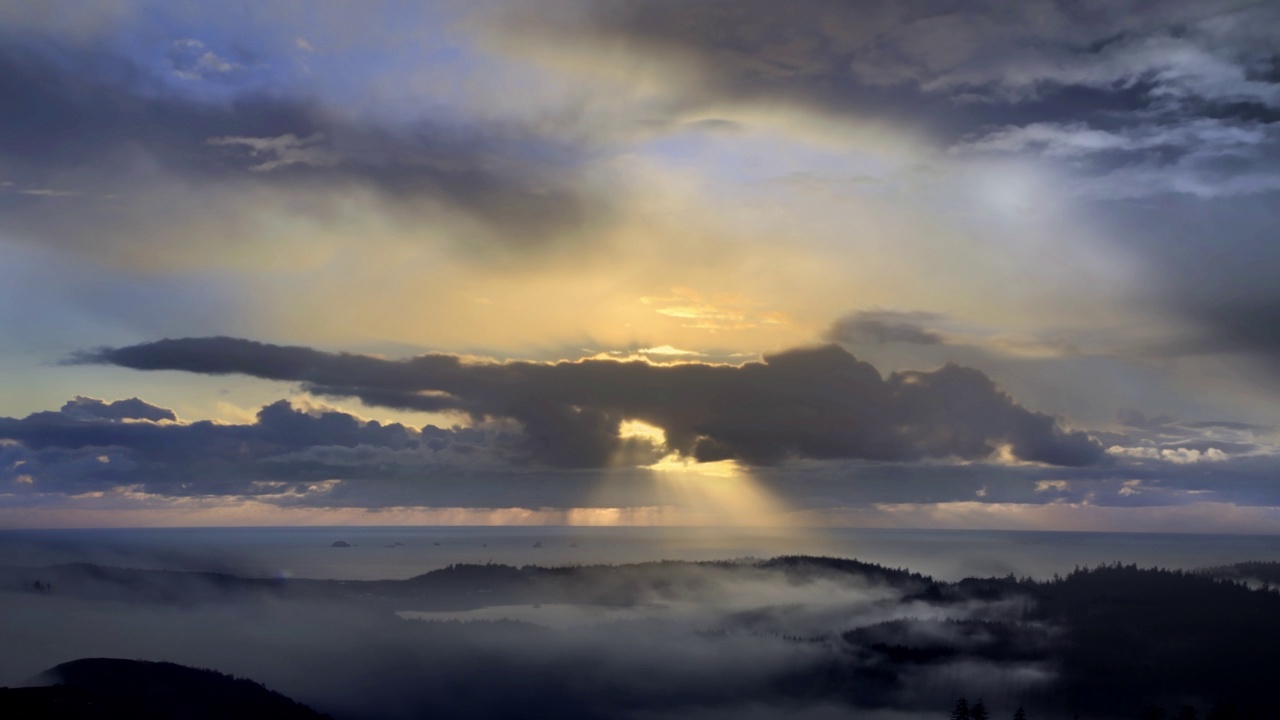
column 1077, row 139
column 96, row 458
column 929, row 338
column 723, row 312
column 92, row 124
column 87, row 408
column 808, row 403
column 885, row 326
column 1044, row 56
column 48, row 192
column 92, row 446
column 1159, row 116
column 283, row 151
column 1205, row 157
column 1169, row 51
column 1179, row 456
column 192, row 60
column 1157, row 121
column 669, row 351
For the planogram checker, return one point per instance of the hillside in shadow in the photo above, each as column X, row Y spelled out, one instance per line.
column 113, row 689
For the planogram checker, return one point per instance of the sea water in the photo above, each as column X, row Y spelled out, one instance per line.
column 375, row 553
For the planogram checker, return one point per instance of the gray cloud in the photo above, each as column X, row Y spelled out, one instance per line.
column 1167, row 438
column 91, row 445
column 1130, row 99
column 885, row 326
column 88, row 408
column 289, row 456
column 1160, row 117
column 94, row 144
column 969, row 65
column 1199, row 156
column 810, row 403
column 191, row 59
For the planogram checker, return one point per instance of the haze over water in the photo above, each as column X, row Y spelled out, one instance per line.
column 400, row 552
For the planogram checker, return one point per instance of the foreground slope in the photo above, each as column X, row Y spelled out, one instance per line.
column 111, row 689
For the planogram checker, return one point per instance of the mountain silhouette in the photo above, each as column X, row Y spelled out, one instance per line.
column 111, row 689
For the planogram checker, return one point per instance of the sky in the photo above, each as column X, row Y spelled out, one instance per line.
column 735, row 262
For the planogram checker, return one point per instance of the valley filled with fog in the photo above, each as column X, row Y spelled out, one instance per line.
column 792, row 636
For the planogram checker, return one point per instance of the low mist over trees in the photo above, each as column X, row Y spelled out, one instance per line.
column 787, row 637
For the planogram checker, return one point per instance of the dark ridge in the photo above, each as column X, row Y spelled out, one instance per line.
column 1153, row 635
column 807, row 564
column 456, row 587
column 107, row 689
column 463, row 586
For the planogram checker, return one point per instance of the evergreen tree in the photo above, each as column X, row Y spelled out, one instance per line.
column 978, row 711
column 961, row 710
column 1020, row 714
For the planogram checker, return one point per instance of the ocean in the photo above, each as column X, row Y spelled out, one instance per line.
column 375, row 553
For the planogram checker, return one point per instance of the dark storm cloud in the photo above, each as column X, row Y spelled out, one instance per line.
column 807, row 403
column 71, row 110
column 89, row 446
column 86, row 134
column 278, row 423
column 289, row 456
column 954, row 67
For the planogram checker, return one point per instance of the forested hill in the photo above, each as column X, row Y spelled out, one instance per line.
column 112, row 689
column 1113, row 641
column 1148, row 635
column 1254, row 572
column 460, row 586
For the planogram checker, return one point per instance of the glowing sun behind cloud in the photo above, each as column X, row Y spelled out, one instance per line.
column 721, row 493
